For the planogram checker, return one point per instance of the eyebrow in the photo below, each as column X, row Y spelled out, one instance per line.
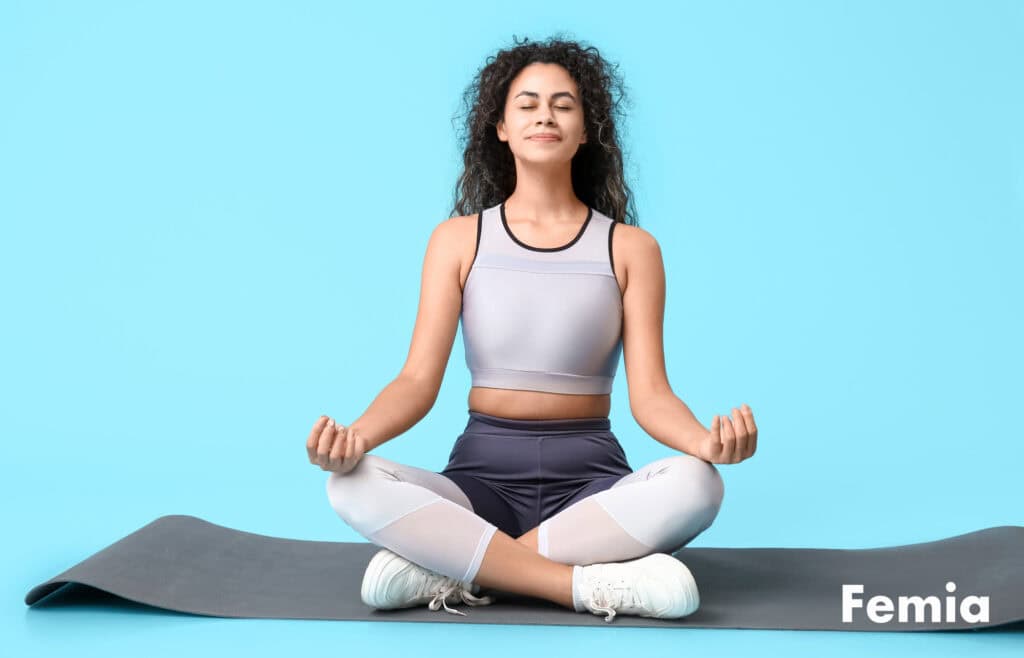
column 536, row 95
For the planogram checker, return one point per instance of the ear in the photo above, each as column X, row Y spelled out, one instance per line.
column 501, row 130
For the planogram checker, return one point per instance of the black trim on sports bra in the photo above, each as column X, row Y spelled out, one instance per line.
column 611, row 259
column 586, row 222
column 479, row 230
column 476, row 249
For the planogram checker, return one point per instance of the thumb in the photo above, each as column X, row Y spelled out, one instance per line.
column 713, row 445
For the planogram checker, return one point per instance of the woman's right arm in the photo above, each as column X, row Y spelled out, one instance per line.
column 408, row 398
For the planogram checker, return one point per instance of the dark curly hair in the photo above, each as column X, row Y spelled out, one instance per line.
column 489, row 176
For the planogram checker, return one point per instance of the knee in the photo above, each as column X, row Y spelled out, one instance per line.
column 698, row 481
column 351, row 493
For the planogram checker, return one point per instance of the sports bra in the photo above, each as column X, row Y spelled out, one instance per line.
column 542, row 319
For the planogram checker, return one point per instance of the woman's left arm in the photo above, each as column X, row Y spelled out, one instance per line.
column 655, row 407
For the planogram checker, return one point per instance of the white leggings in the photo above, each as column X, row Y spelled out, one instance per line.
column 426, row 518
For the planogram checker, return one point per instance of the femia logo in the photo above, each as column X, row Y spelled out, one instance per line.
column 880, row 608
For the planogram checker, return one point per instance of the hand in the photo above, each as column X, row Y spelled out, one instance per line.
column 730, row 441
column 335, row 447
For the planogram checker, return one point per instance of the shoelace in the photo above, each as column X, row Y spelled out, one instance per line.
column 450, row 587
column 607, row 597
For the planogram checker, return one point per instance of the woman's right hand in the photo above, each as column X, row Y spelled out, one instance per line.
column 334, row 447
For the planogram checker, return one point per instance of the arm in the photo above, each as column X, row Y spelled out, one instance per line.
column 400, row 405
column 667, row 418
column 655, row 407
column 408, row 398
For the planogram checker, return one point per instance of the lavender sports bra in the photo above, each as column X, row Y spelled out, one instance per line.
column 542, row 319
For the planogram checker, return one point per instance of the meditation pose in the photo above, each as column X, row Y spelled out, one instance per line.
column 552, row 282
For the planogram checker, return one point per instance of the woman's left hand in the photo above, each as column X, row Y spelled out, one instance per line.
column 730, row 441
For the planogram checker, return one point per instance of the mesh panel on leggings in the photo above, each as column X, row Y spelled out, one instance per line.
column 584, row 533
column 667, row 503
column 440, row 536
column 657, row 509
column 421, row 515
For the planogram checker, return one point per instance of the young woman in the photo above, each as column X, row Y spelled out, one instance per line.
column 551, row 283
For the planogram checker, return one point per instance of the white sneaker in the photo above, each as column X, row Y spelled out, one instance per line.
column 391, row 581
column 657, row 585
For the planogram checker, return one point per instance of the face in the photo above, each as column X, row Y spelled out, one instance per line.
column 543, row 98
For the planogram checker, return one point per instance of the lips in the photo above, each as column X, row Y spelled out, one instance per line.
column 545, row 138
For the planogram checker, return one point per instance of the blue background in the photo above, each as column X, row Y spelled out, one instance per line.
column 213, row 223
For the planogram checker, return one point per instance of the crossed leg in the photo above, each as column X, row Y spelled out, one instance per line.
column 427, row 519
column 656, row 509
column 424, row 517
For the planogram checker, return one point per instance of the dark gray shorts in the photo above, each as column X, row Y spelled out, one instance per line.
column 517, row 473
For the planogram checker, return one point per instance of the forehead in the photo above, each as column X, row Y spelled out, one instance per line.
column 543, row 78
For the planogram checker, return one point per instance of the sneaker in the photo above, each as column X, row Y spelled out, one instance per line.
column 392, row 582
column 657, row 585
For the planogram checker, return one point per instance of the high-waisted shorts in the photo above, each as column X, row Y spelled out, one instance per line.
column 517, row 473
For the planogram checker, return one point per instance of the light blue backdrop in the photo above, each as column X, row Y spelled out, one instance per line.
column 214, row 217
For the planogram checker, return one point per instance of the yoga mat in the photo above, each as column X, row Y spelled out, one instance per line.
column 186, row 564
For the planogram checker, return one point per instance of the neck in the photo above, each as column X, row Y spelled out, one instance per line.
column 543, row 195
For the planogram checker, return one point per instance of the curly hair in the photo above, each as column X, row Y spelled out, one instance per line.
column 489, row 174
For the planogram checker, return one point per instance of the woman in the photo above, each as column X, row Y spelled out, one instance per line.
column 551, row 284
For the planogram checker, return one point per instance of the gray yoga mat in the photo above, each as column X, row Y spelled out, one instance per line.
column 186, row 564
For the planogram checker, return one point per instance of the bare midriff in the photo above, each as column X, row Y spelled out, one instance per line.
column 537, row 405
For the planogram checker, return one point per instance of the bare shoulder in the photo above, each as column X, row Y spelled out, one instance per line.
column 632, row 247
column 456, row 240
column 634, row 238
column 461, row 225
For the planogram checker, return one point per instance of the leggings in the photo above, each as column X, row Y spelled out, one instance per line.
column 568, row 477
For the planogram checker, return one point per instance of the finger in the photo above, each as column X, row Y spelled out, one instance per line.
column 748, row 420
column 350, row 449
column 742, row 438
column 747, row 417
column 314, row 437
column 324, row 445
column 337, row 453
column 728, row 441
column 319, row 442
column 713, row 447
